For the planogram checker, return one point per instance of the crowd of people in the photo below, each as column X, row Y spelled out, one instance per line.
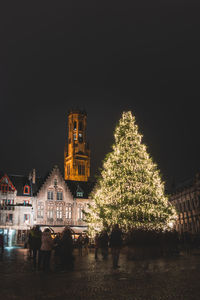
column 41, row 246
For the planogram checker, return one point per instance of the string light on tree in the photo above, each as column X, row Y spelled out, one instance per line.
column 130, row 191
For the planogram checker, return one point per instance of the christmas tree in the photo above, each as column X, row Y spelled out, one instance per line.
column 130, row 191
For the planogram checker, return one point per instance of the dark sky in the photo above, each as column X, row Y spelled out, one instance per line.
column 104, row 57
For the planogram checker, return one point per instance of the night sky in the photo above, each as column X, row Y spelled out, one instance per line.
column 104, row 57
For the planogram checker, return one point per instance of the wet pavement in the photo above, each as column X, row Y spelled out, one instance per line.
column 176, row 278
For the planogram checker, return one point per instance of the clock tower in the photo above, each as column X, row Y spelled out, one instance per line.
column 77, row 153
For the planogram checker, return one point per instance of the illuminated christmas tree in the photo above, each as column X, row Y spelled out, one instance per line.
column 130, row 191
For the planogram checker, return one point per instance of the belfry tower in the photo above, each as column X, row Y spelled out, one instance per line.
column 77, row 153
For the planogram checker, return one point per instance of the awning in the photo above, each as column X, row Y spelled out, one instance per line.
column 79, row 229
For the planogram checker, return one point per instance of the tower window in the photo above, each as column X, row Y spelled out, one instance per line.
column 74, row 125
column 80, row 126
column 68, row 169
column 81, row 170
column 74, row 136
column 80, row 137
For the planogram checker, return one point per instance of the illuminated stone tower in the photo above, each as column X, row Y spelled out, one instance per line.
column 77, row 153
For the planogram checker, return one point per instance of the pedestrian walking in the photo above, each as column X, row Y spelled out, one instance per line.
column 2, row 242
column 86, row 243
column 28, row 243
column 46, row 247
column 103, row 241
column 80, row 242
column 34, row 242
column 66, row 250
column 57, row 250
column 115, row 244
column 96, row 245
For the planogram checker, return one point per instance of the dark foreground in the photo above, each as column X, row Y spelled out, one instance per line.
column 159, row 279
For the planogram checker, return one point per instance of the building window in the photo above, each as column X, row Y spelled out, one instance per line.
column 59, row 212
column 81, row 169
column 80, row 212
column 4, row 188
column 27, row 189
column 40, row 212
column 9, row 218
column 79, row 194
column 74, row 136
column 9, row 202
column 68, row 211
column 59, row 196
column 26, row 202
column 74, row 125
column 50, row 195
column 26, row 217
column 50, row 212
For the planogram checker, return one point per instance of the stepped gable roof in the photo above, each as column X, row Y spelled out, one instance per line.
column 84, row 188
column 39, row 181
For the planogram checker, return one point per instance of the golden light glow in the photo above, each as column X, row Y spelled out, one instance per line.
column 130, row 190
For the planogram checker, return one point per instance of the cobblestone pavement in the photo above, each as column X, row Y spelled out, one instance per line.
column 159, row 279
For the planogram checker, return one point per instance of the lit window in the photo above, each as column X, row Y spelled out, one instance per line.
column 80, row 212
column 59, row 212
column 40, row 212
column 50, row 212
column 68, row 211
